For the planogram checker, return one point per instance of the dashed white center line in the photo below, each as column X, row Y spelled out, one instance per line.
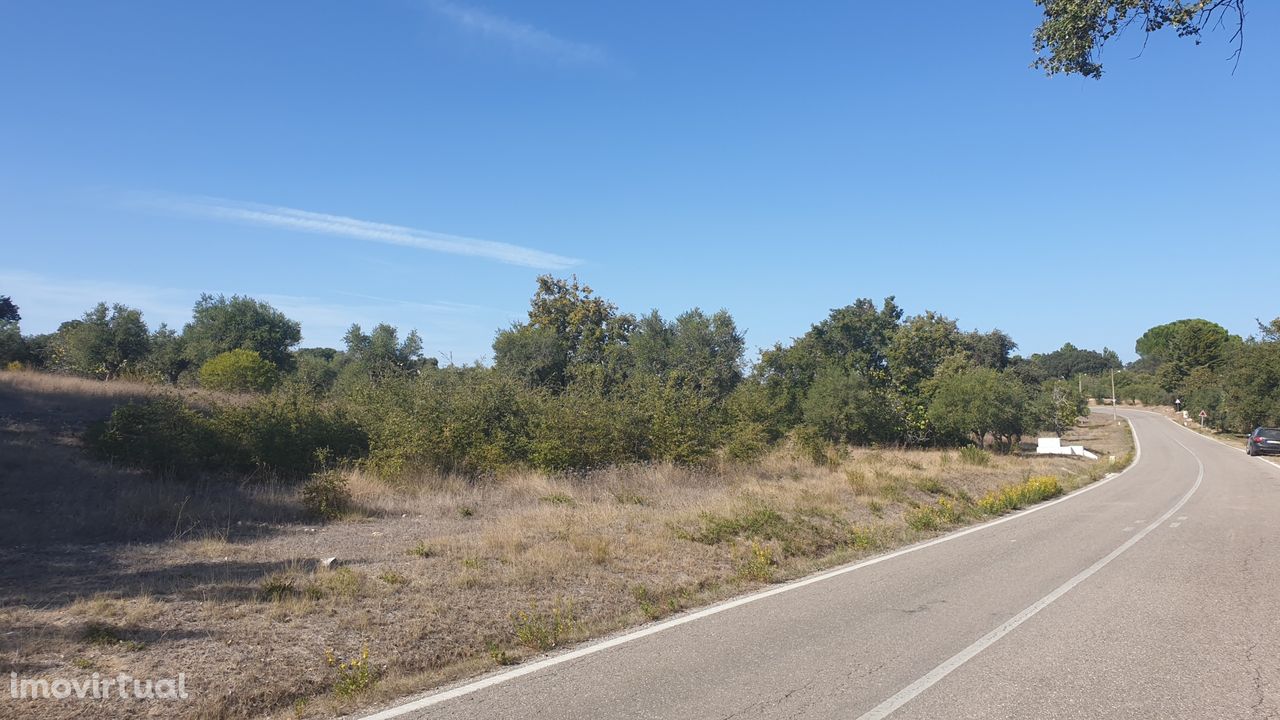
column 1129, row 529
column 1182, row 517
column 929, row 679
column 1173, row 525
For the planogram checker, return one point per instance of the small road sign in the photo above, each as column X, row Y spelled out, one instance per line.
column 1204, row 414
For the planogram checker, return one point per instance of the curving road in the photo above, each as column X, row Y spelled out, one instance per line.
column 1153, row 594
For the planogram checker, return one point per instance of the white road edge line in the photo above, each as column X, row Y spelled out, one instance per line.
column 904, row 696
column 467, row 689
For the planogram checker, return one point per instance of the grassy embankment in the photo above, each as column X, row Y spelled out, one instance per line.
column 108, row 570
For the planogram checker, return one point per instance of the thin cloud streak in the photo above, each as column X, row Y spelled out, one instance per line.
column 340, row 226
column 517, row 34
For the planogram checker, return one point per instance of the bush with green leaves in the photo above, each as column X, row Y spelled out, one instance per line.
column 219, row 324
column 161, row 435
column 582, row 428
column 285, row 435
column 843, row 406
column 975, row 403
column 104, row 342
column 1252, row 383
column 326, row 495
column 464, row 421
column 239, row 370
column 682, row 424
column 288, row 433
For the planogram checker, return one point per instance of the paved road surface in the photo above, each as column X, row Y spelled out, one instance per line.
column 1151, row 595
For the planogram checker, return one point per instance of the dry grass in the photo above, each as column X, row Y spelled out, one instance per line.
column 444, row 576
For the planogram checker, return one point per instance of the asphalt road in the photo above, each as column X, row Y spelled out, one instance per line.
column 1150, row 595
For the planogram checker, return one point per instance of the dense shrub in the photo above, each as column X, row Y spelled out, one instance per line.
column 239, row 371
column 288, row 434
column 981, row 402
column 844, row 407
column 450, row 421
column 284, row 435
column 161, row 435
column 681, row 425
column 583, row 428
column 481, row 421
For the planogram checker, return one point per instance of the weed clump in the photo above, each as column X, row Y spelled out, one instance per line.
column 276, row 588
column 354, row 676
column 974, row 455
column 96, row 633
column 499, row 655
column 761, row 522
column 1016, row 496
column 542, row 630
column 934, row 517
column 559, row 498
column 759, row 564
column 391, row 577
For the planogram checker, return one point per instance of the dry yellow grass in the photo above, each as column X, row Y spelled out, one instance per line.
column 442, row 576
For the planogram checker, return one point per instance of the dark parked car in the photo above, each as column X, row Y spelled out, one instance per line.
column 1263, row 441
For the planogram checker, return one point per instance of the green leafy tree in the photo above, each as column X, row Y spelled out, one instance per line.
column 1251, row 383
column 651, row 345
column 1176, row 349
column 857, row 337
column 8, row 311
column 700, row 352
column 843, row 406
column 707, row 353
column 919, row 346
column 990, row 349
column 1070, row 361
column 1073, row 33
column 783, row 375
column 981, row 402
column 102, row 343
column 167, row 357
column 12, row 347
column 1060, row 406
column 1270, row 331
column 1202, row 389
column 536, row 355
column 571, row 333
column 238, row 370
column 317, row 369
column 219, row 324
column 382, row 353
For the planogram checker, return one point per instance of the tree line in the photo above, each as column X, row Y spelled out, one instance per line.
column 580, row 384
column 1234, row 380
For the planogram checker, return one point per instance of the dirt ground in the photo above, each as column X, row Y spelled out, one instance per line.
column 105, row 570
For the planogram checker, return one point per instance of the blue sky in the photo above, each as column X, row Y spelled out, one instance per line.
column 420, row 162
